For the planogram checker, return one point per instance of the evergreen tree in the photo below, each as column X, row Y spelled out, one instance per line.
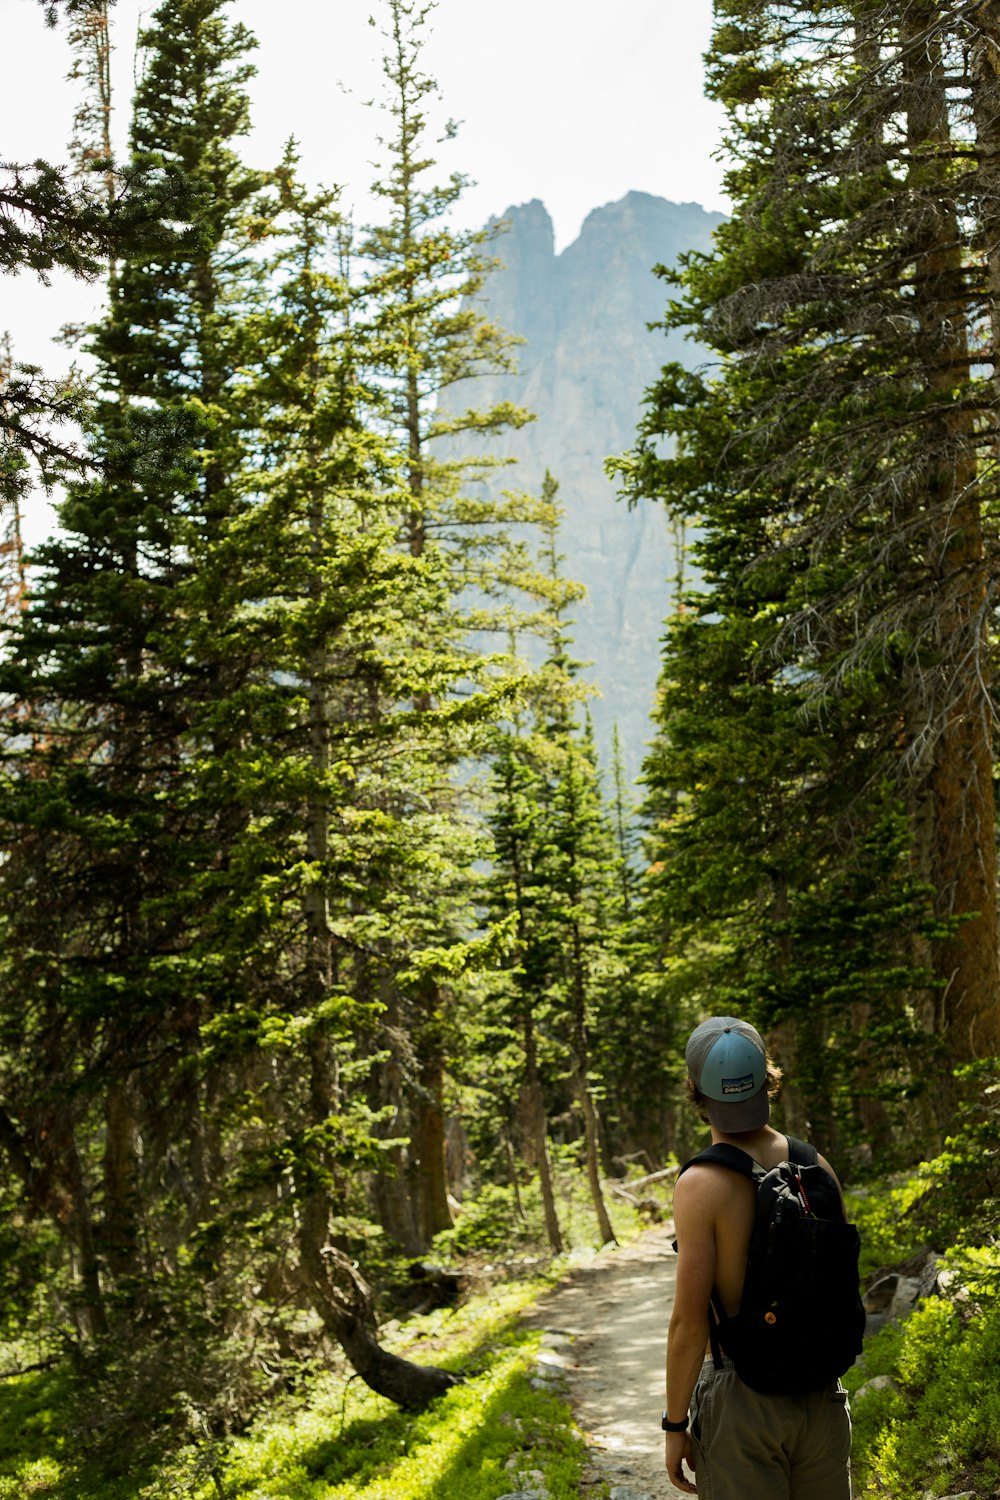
column 324, row 771
column 434, row 340
column 102, row 792
column 813, row 923
column 554, row 874
column 516, row 791
column 72, row 218
column 640, row 1016
column 577, row 869
column 839, row 461
column 223, row 649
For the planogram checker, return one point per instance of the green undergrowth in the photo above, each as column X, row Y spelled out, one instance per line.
column 890, row 1233
column 333, row 1439
column 491, row 1224
column 336, row 1440
column 33, row 1441
column 925, row 1395
column 935, row 1427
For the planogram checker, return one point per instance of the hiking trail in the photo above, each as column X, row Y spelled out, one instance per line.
column 605, row 1331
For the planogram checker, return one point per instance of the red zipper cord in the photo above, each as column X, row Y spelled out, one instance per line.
column 802, row 1194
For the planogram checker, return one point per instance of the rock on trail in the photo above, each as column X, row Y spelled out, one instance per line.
column 606, row 1328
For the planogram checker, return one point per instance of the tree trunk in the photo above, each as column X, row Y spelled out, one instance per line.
column 344, row 1303
column 538, row 1135
column 121, row 1187
column 984, row 67
column 79, row 1226
column 871, row 1112
column 512, row 1173
column 337, row 1291
column 590, row 1126
column 429, row 1147
column 394, row 1202
column 959, row 780
column 782, row 1045
column 204, row 1149
column 54, row 1184
column 394, row 1194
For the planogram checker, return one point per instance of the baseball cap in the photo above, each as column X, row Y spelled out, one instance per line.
column 728, row 1062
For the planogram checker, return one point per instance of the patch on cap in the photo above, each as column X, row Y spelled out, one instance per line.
column 745, row 1085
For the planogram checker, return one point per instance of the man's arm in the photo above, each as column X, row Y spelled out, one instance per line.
column 694, row 1220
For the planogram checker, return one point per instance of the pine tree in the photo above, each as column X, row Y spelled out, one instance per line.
column 145, row 210
column 435, row 339
column 840, row 464
column 324, row 769
column 102, row 789
column 516, row 790
column 781, row 884
column 554, row 872
column 73, row 218
column 223, row 648
column 578, row 875
column 639, row 1016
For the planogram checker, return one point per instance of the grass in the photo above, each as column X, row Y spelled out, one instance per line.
column 336, row 1440
column 459, row 1450
column 32, row 1446
column 883, row 1213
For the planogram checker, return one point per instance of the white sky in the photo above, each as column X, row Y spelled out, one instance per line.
column 576, row 102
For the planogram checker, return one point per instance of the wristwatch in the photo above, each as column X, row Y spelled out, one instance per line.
column 669, row 1426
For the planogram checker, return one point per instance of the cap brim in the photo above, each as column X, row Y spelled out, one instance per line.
column 740, row 1114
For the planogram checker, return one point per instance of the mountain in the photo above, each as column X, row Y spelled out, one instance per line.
column 588, row 357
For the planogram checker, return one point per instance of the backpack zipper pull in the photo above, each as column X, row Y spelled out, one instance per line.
column 803, row 1198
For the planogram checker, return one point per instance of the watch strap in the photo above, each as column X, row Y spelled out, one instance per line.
column 669, row 1426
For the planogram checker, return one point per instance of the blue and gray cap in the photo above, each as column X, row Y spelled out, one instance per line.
column 728, row 1062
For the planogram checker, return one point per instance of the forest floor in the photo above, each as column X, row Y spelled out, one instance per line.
column 605, row 1327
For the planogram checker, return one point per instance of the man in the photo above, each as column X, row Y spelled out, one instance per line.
column 739, row 1443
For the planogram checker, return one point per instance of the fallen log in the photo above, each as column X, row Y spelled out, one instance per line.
column 639, row 1182
column 345, row 1305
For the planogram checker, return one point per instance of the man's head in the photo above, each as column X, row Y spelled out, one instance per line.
column 732, row 1079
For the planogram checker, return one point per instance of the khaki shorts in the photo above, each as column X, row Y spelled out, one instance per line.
column 748, row 1446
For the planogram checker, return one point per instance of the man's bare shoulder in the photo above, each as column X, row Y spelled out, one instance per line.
column 703, row 1187
column 700, row 1175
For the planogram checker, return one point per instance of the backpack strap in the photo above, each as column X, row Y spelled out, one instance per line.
column 728, row 1156
column 723, row 1155
column 801, row 1153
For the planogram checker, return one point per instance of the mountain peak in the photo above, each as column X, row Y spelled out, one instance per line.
column 587, row 359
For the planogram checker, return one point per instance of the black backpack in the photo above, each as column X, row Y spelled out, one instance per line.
column 800, row 1321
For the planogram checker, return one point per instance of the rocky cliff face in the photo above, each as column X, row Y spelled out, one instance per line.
column 587, row 360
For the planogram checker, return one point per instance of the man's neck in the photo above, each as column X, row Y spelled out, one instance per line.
column 749, row 1141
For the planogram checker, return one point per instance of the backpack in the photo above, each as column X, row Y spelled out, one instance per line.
column 800, row 1322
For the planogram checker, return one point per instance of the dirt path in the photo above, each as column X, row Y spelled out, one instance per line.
column 606, row 1326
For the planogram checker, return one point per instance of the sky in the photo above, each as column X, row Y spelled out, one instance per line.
column 575, row 102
